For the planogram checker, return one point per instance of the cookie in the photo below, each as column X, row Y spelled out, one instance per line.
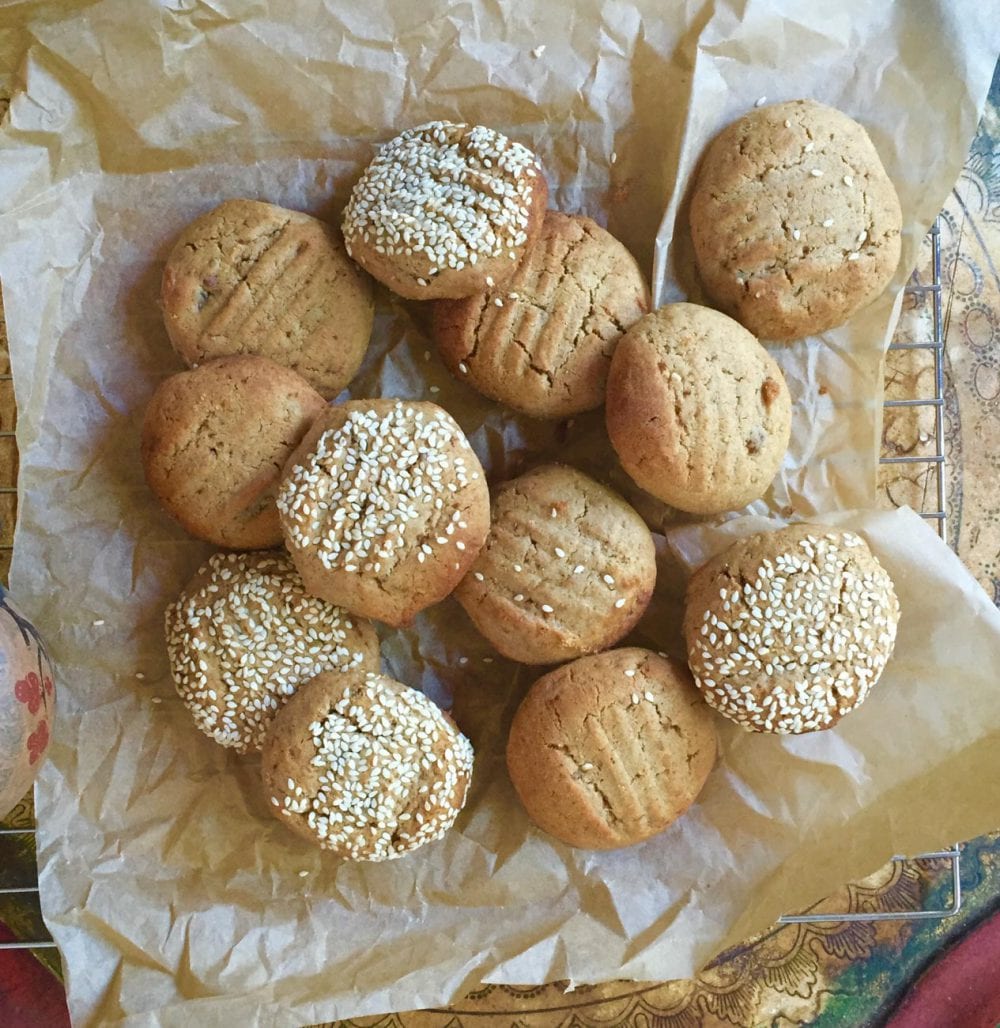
column 252, row 278
column 795, row 223
column 365, row 767
column 384, row 506
column 697, row 410
column 445, row 210
column 610, row 749
column 541, row 342
column 244, row 635
column 788, row 631
column 567, row 569
column 214, row 441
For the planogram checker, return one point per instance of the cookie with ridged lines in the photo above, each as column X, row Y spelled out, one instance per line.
column 244, row 635
column 364, row 766
column 445, row 209
column 697, row 410
column 384, row 506
column 568, row 568
column 788, row 631
column 610, row 749
column 795, row 223
column 541, row 342
column 252, row 278
column 215, row 440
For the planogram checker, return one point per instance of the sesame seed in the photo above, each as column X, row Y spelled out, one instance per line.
column 560, row 552
column 796, row 233
column 498, row 301
column 538, row 51
column 848, row 181
column 808, row 148
column 554, row 513
column 489, row 281
column 139, row 675
column 435, row 389
column 479, row 576
column 587, row 767
column 650, row 697
column 614, row 156
column 579, row 569
column 853, row 255
column 828, row 223
column 788, row 124
column 760, row 101
column 546, row 609
column 98, row 622
column 608, row 579
column 635, row 698
column 487, row 660
column 303, row 874
column 518, row 597
column 157, row 699
column 630, row 672
column 463, row 660
column 463, row 367
column 619, row 603
column 518, row 568
column 816, row 172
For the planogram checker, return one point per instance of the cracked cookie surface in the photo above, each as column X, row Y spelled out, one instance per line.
column 252, row 278
column 383, row 506
column 610, row 749
column 697, row 410
column 541, row 342
column 215, row 440
column 795, row 223
column 365, row 766
column 787, row 631
column 568, row 568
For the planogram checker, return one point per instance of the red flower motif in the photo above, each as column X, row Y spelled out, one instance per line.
column 48, row 686
column 29, row 690
column 37, row 741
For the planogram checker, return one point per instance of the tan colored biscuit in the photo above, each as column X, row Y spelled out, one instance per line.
column 788, row 631
column 252, row 278
column 610, row 749
column 384, row 506
column 445, row 210
column 697, row 410
column 214, row 441
column 365, row 766
column 567, row 569
column 795, row 223
column 541, row 342
column 244, row 635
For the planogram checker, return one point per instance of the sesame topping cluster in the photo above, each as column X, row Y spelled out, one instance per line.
column 368, row 482
column 451, row 193
column 244, row 641
column 802, row 643
column 391, row 773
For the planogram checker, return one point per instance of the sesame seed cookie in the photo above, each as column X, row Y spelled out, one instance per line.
column 445, row 210
column 364, row 766
column 697, row 410
column 214, row 441
column 384, row 506
column 567, row 569
column 541, row 342
column 610, row 749
column 795, row 222
column 252, row 278
column 788, row 631
column 244, row 635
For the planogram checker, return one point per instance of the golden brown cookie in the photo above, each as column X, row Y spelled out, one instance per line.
column 364, row 766
column 252, row 278
column 795, row 223
column 567, row 569
column 788, row 631
column 384, row 506
column 214, row 441
column 244, row 635
column 541, row 342
column 445, row 210
column 610, row 749
column 697, row 410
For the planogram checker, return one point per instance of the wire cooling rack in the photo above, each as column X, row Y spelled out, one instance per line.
column 934, row 461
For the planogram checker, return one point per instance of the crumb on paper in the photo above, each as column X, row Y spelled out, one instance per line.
column 538, row 51
column 760, row 101
column 98, row 622
column 139, row 675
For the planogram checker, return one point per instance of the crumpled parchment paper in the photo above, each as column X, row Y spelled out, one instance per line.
column 174, row 897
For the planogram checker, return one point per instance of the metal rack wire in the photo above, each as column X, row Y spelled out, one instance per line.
column 934, row 460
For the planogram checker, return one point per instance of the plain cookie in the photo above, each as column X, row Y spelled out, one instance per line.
column 788, row 631
column 697, row 410
column 610, row 749
column 567, row 569
column 214, row 442
column 244, row 635
column 541, row 342
column 445, row 210
column 251, row 278
column 795, row 223
column 365, row 767
column 384, row 506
